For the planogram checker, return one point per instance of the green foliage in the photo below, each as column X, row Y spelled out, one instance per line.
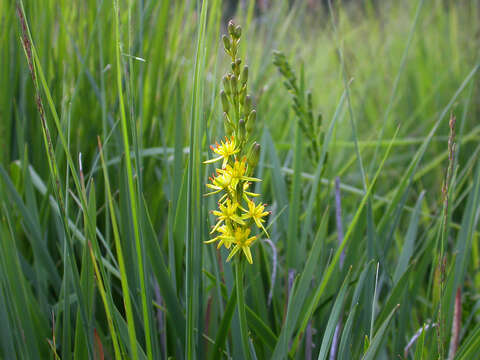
column 107, row 109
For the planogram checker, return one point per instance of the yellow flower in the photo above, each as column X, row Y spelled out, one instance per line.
column 226, row 237
column 237, row 172
column 219, row 183
column 256, row 212
column 225, row 150
column 246, row 193
column 227, row 212
column 242, row 242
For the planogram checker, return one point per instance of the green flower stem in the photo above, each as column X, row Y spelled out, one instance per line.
column 239, row 264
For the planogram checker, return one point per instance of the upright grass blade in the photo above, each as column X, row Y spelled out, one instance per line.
column 343, row 349
column 333, row 319
column 379, row 337
column 224, row 325
column 194, row 229
column 294, row 208
column 470, row 347
column 131, row 186
column 408, row 246
column 121, row 262
column 107, row 305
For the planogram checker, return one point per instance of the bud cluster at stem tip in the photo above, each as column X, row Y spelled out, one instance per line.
column 237, row 213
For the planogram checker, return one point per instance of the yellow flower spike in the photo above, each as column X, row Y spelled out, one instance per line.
column 225, row 150
column 257, row 213
column 242, row 242
column 227, row 212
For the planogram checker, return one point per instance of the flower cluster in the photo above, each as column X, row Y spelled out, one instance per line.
column 237, row 212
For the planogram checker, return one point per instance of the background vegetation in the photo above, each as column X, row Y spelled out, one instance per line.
column 102, row 256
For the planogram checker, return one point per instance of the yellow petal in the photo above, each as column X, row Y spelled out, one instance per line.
column 248, row 254
column 213, row 160
column 233, row 252
column 210, row 241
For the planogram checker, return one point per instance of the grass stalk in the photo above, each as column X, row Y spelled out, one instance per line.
column 131, row 186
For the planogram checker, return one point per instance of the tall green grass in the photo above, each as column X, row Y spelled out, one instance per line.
column 107, row 109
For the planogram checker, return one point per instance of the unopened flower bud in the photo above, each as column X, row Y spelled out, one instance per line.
column 253, row 155
column 226, row 42
column 227, row 125
column 224, row 99
column 234, row 84
column 242, row 97
column 238, row 31
column 242, row 132
column 231, row 28
column 226, row 85
column 244, row 76
column 248, row 103
column 251, row 121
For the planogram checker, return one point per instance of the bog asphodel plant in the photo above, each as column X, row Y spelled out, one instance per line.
column 238, row 155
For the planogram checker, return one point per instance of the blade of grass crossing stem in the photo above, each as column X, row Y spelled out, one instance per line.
column 131, row 186
column 328, row 273
column 333, row 318
column 378, row 338
column 193, row 240
column 121, row 261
